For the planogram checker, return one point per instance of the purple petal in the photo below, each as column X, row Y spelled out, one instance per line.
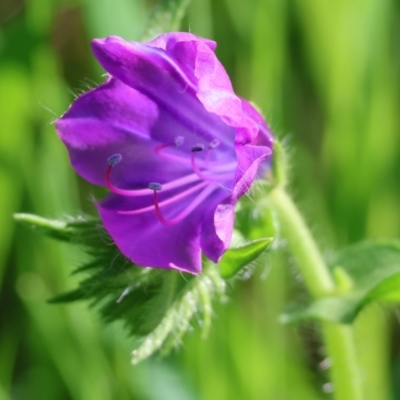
column 168, row 82
column 111, row 104
column 250, row 159
column 217, row 226
column 216, row 93
column 147, row 242
column 116, row 119
column 264, row 136
column 102, row 122
column 216, row 230
column 170, row 39
column 146, row 68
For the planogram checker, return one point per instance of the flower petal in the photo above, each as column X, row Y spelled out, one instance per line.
column 146, row 241
column 114, row 118
column 217, row 228
column 217, row 225
column 216, row 93
column 264, row 136
column 165, row 80
column 167, row 41
column 110, row 104
column 250, row 158
column 103, row 122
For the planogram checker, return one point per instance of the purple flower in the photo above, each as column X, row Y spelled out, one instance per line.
column 172, row 142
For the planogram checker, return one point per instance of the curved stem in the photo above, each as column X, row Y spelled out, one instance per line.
column 302, row 245
column 338, row 338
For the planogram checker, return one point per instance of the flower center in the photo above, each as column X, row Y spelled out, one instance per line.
column 207, row 176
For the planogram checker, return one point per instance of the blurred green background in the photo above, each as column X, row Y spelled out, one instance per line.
column 326, row 75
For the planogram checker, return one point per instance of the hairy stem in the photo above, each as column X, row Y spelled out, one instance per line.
column 339, row 340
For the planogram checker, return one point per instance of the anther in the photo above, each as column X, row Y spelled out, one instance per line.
column 197, row 147
column 155, row 186
column 114, row 159
column 213, row 144
column 178, row 141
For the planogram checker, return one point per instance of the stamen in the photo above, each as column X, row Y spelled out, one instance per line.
column 197, row 201
column 178, row 141
column 213, row 144
column 160, row 147
column 196, row 169
column 155, row 186
column 197, row 148
column 170, row 200
column 114, row 159
column 144, row 192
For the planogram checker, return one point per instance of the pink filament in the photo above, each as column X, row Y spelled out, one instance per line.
column 144, row 192
column 207, row 178
column 167, row 201
column 160, row 147
column 202, row 196
column 222, row 172
column 159, row 150
column 123, row 192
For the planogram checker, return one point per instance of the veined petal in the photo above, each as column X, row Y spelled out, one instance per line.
column 217, row 228
column 167, row 81
column 102, row 122
column 217, row 224
column 264, row 136
column 216, row 94
column 250, row 158
column 167, row 41
column 111, row 104
column 147, row 242
column 114, row 118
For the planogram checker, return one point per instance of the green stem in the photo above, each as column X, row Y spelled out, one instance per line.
column 302, row 245
column 339, row 338
column 345, row 373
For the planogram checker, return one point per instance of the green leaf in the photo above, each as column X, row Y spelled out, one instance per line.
column 156, row 305
column 85, row 231
column 342, row 309
column 43, row 225
column 237, row 258
column 193, row 299
column 366, row 272
column 166, row 17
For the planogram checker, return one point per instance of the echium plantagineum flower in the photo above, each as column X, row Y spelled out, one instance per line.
column 172, row 142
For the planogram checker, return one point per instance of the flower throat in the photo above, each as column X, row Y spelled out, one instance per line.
column 206, row 176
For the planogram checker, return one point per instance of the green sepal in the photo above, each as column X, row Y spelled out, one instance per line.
column 157, row 306
column 369, row 271
column 237, row 258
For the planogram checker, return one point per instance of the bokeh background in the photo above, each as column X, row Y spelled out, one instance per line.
column 326, row 75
